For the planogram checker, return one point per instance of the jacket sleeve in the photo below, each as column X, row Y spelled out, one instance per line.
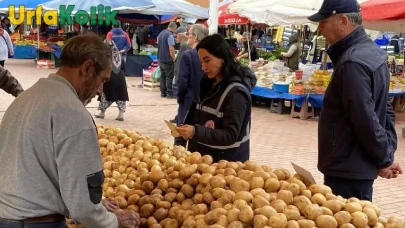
column 234, row 114
column 8, row 83
column 128, row 43
column 9, row 42
column 183, row 76
column 109, row 35
column 80, row 172
column 356, row 95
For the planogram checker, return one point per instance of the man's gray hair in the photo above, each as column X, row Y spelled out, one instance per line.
column 355, row 18
column 200, row 31
column 173, row 25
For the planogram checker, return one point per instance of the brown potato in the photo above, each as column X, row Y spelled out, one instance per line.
column 260, row 221
column 343, row 217
column 286, row 196
column 272, row 185
column 326, row 221
column 359, row 219
column 278, row 221
column 243, row 195
column 278, row 205
column 147, row 210
column 319, row 199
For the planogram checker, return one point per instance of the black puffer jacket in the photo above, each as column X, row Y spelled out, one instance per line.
column 222, row 118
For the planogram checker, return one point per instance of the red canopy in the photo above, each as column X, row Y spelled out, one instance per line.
column 225, row 18
column 383, row 10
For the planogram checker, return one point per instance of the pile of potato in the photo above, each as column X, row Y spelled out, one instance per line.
column 171, row 187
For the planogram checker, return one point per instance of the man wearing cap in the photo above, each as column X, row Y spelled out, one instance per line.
column 356, row 133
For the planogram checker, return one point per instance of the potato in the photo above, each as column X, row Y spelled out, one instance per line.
column 359, row 219
column 133, row 199
column 301, row 202
column 246, row 214
column 143, row 222
column 326, row 221
column 259, row 202
column 272, row 185
column 172, row 223
column 216, row 204
column 239, row 185
column 156, row 226
column 189, row 223
column 236, row 224
column 292, row 214
column 187, row 204
column 263, row 174
column 294, row 188
column 208, row 197
column 155, row 176
column 343, row 217
column 200, row 208
column 371, row 215
column 205, row 179
column 306, row 223
column 267, row 211
column 180, row 197
column 227, row 197
column 233, row 215
column 243, row 195
column 307, row 193
column 256, row 182
column 353, row 207
column 318, row 188
column 378, row 225
column 147, row 210
column 223, row 221
column 375, row 208
column 327, row 211
column 278, row 205
column 217, row 182
column 278, row 221
column 353, row 199
column 170, row 197
column 176, row 183
column 395, row 222
column 187, row 190
column 347, row 225
column 313, row 211
column 218, row 192
column 152, row 221
column 163, row 204
column 334, row 205
column 293, row 224
column 198, row 198
column 260, row 221
column 286, row 196
column 194, row 180
column 319, row 199
column 281, row 175
column 216, row 213
column 209, row 218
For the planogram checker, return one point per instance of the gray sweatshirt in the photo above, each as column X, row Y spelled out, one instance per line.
column 50, row 154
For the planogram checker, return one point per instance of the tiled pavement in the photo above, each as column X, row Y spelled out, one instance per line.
column 276, row 140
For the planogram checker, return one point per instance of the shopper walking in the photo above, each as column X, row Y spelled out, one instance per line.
column 6, row 46
column 115, row 90
column 356, row 133
column 219, row 124
column 189, row 76
column 49, row 140
column 166, row 57
column 122, row 40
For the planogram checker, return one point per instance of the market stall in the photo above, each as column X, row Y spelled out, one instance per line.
column 171, row 187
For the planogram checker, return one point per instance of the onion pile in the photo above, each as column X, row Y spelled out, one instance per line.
column 171, row 187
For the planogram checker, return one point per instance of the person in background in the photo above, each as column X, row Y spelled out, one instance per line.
column 245, row 50
column 50, row 143
column 9, row 84
column 356, row 130
column 394, row 41
column 294, row 53
column 136, row 43
column 115, row 90
column 122, row 41
column 219, row 123
column 6, row 25
column 166, row 56
column 6, row 46
column 189, row 76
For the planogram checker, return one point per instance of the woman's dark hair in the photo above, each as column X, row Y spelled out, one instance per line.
column 217, row 46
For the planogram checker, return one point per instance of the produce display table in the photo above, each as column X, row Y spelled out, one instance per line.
column 24, row 52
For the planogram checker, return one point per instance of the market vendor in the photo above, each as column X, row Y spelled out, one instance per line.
column 294, row 53
column 52, row 166
column 245, row 50
column 219, row 125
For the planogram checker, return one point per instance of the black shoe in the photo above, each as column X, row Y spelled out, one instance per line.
column 163, row 95
column 171, row 97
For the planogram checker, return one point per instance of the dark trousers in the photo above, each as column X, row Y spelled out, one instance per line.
column 2, row 63
column 4, row 223
column 347, row 188
column 166, row 78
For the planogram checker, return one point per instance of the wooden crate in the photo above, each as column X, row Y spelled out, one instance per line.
column 150, row 85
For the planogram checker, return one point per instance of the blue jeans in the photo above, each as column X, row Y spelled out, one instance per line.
column 4, row 223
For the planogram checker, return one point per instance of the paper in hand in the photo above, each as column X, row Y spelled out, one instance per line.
column 304, row 173
column 172, row 128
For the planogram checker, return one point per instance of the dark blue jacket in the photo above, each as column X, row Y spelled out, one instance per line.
column 222, row 118
column 356, row 134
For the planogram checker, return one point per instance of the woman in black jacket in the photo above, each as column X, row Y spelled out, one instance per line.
column 218, row 124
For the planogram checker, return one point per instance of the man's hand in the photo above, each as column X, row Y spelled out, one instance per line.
column 110, row 204
column 122, row 51
column 391, row 172
column 127, row 219
column 186, row 131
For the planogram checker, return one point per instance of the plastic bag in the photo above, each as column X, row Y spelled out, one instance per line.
column 384, row 40
column 156, row 75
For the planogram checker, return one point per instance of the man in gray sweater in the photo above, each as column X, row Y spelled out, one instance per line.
column 51, row 163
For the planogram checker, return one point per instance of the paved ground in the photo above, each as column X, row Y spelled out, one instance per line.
column 276, row 140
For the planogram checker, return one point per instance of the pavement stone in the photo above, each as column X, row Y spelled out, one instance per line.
column 276, row 140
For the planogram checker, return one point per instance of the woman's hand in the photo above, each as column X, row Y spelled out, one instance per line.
column 186, row 131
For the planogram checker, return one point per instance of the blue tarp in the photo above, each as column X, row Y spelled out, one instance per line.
column 24, row 52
